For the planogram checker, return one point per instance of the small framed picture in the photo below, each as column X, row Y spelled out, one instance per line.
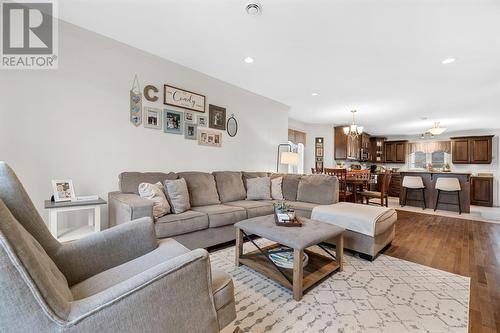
column 190, row 131
column 202, row 121
column 188, row 116
column 209, row 138
column 173, row 121
column 63, row 190
column 216, row 117
column 153, row 118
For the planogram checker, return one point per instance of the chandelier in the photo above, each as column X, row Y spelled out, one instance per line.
column 353, row 130
column 436, row 129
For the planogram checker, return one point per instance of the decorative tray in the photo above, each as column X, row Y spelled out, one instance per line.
column 296, row 222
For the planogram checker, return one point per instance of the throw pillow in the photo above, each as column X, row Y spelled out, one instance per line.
column 178, row 195
column 259, row 188
column 154, row 192
column 276, row 188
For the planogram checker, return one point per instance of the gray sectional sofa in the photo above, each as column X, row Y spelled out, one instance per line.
column 218, row 200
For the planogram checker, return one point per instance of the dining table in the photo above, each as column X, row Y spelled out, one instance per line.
column 356, row 183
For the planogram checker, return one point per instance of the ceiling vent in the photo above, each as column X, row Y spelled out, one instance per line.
column 253, row 8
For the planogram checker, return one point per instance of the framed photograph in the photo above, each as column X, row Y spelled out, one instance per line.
column 190, row 131
column 63, row 190
column 153, row 118
column 183, row 98
column 202, row 121
column 189, row 117
column 173, row 121
column 209, row 138
column 216, row 117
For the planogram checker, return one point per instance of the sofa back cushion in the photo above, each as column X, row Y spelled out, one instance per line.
column 129, row 181
column 290, row 185
column 230, row 185
column 202, row 188
column 30, row 255
column 318, row 189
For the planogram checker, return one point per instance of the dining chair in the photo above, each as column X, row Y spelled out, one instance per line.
column 383, row 195
column 341, row 174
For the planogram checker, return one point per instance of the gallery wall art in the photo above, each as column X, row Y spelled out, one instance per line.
column 183, row 99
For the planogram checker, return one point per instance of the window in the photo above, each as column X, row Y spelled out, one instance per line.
column 438, row 159
column 420, row 160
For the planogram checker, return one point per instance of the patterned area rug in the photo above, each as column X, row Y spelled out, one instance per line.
column 386, row 295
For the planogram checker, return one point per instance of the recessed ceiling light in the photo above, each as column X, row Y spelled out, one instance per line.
column 314, row 94
column 248, row 60
column 448, row 61
column 253, row 8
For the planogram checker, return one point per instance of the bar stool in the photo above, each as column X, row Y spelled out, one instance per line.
column 448, row 185
column 414, row 183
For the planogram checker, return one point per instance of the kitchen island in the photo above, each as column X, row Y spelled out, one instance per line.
column 448, row 201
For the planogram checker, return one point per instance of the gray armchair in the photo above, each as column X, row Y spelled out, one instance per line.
column 118, row 280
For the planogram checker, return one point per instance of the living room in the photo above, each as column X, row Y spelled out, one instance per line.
column 198, row 167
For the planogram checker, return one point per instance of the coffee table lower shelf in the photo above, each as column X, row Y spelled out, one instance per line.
column 318, row 268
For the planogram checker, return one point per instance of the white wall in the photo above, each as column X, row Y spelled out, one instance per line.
column 74, row 122
column 313, row 131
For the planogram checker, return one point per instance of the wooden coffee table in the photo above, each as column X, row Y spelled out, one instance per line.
column 298, row 239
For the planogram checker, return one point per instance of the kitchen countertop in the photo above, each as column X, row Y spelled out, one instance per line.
column 436, row 172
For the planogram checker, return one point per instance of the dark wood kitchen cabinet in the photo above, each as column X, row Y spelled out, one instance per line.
column 481, row 191
column 346, row 147
column 472, row 149
column 377, row 150
column 395, row 151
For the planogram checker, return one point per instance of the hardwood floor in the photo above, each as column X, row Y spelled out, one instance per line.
column 468, row 248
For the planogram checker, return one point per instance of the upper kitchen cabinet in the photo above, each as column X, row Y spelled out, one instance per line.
column 377, row 150
column 471, row 149
column 346, row 147
column 395, row 151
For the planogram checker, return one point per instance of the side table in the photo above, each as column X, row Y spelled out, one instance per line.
column 92, row 206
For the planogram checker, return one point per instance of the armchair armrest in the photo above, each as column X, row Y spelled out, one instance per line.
column 98, row 252
column 174, row 296
column 124, row 207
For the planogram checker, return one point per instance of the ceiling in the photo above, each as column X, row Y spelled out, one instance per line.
column 382, row 58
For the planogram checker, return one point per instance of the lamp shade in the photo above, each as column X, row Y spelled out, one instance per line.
column 289, row 158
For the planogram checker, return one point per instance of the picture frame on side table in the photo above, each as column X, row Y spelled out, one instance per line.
column 190, row 131
column 217, row 117
column 173, row 121
column 153, row 118
column 202, row 121
column 63, row 190
column 210, row 138
column 183, row 98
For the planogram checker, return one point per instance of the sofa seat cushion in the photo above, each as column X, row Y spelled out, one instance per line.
column 230, row 186
column 202, row 188
column 178, row 224
column 254, row 208
column 222, row 288
column 220, row 215
column 364, row 219
column 167, row 249
column 303, row 209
